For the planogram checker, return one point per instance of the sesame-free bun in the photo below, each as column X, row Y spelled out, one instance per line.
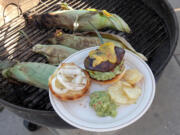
column 70, row 94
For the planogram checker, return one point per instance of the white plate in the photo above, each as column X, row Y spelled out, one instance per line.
column 81, row 115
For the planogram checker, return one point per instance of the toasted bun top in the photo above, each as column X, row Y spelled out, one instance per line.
column 69, row 82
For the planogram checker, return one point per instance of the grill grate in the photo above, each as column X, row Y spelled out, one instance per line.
column 149, row 36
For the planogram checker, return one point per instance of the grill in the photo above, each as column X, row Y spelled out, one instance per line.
column 154, row 33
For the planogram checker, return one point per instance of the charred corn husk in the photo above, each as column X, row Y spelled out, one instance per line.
column 77, row 20
column 54, row 53
column 77, row 42
column 35, row 74
column 80, row 41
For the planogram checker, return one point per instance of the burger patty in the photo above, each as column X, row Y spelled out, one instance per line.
column 105, row 66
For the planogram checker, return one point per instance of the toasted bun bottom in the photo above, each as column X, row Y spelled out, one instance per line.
column 113, row 80
column 71, row 95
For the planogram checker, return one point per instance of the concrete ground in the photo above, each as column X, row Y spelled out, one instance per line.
column 163, row 118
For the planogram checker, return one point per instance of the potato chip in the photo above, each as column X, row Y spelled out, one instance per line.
column 126, row 84
column 117, row 94
column 123, row 93
column 132, row 92
column 131, row 101
column 133, row 76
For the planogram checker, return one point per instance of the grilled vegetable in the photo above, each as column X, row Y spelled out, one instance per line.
column 73, row 40
column 54, row 53
column 35, row 74
column 105, row 66
column 77, row 20
column 88, row 39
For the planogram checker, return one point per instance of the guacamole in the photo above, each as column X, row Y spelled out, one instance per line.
column 101, row 102
column 106, row 75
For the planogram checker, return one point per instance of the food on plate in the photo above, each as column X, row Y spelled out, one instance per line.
column 124, row 93
column 132, row 76
column 54, row 53
column 32, row 73
column 117, row 94
column 77, row 20
column 132, row 92
column 89, row 39
column 105, row 65
column 101, row 102
column 69, row 82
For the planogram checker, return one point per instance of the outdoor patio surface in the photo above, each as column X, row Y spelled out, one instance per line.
column 163, row 118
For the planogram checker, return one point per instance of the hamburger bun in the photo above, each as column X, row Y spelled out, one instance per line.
column 70, row 94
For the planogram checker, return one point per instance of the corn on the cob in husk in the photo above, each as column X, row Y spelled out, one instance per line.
column 54, row 53
column 80, row 41
column 73, row 41
column 77, row 20
column 35, row 74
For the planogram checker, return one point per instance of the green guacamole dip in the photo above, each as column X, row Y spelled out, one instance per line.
column 101, row 102
column 106, row 75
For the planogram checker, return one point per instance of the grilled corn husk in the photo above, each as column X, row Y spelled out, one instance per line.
column 78, row 20
column 54, row 53
column 83, row 40
column 75, row 41
column 35, row 74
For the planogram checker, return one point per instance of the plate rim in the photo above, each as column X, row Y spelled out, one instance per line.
column 145, row 109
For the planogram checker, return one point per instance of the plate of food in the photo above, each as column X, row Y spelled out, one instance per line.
column 102, row 88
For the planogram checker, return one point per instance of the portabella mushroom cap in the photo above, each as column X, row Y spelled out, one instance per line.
column 105, row 66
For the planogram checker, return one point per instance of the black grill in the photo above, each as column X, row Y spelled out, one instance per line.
column 149, row 36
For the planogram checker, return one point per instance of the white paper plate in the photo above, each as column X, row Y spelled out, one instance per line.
column 79, row 114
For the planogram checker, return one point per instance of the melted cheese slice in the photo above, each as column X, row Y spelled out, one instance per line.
column 106, row 52
column 69, row 77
